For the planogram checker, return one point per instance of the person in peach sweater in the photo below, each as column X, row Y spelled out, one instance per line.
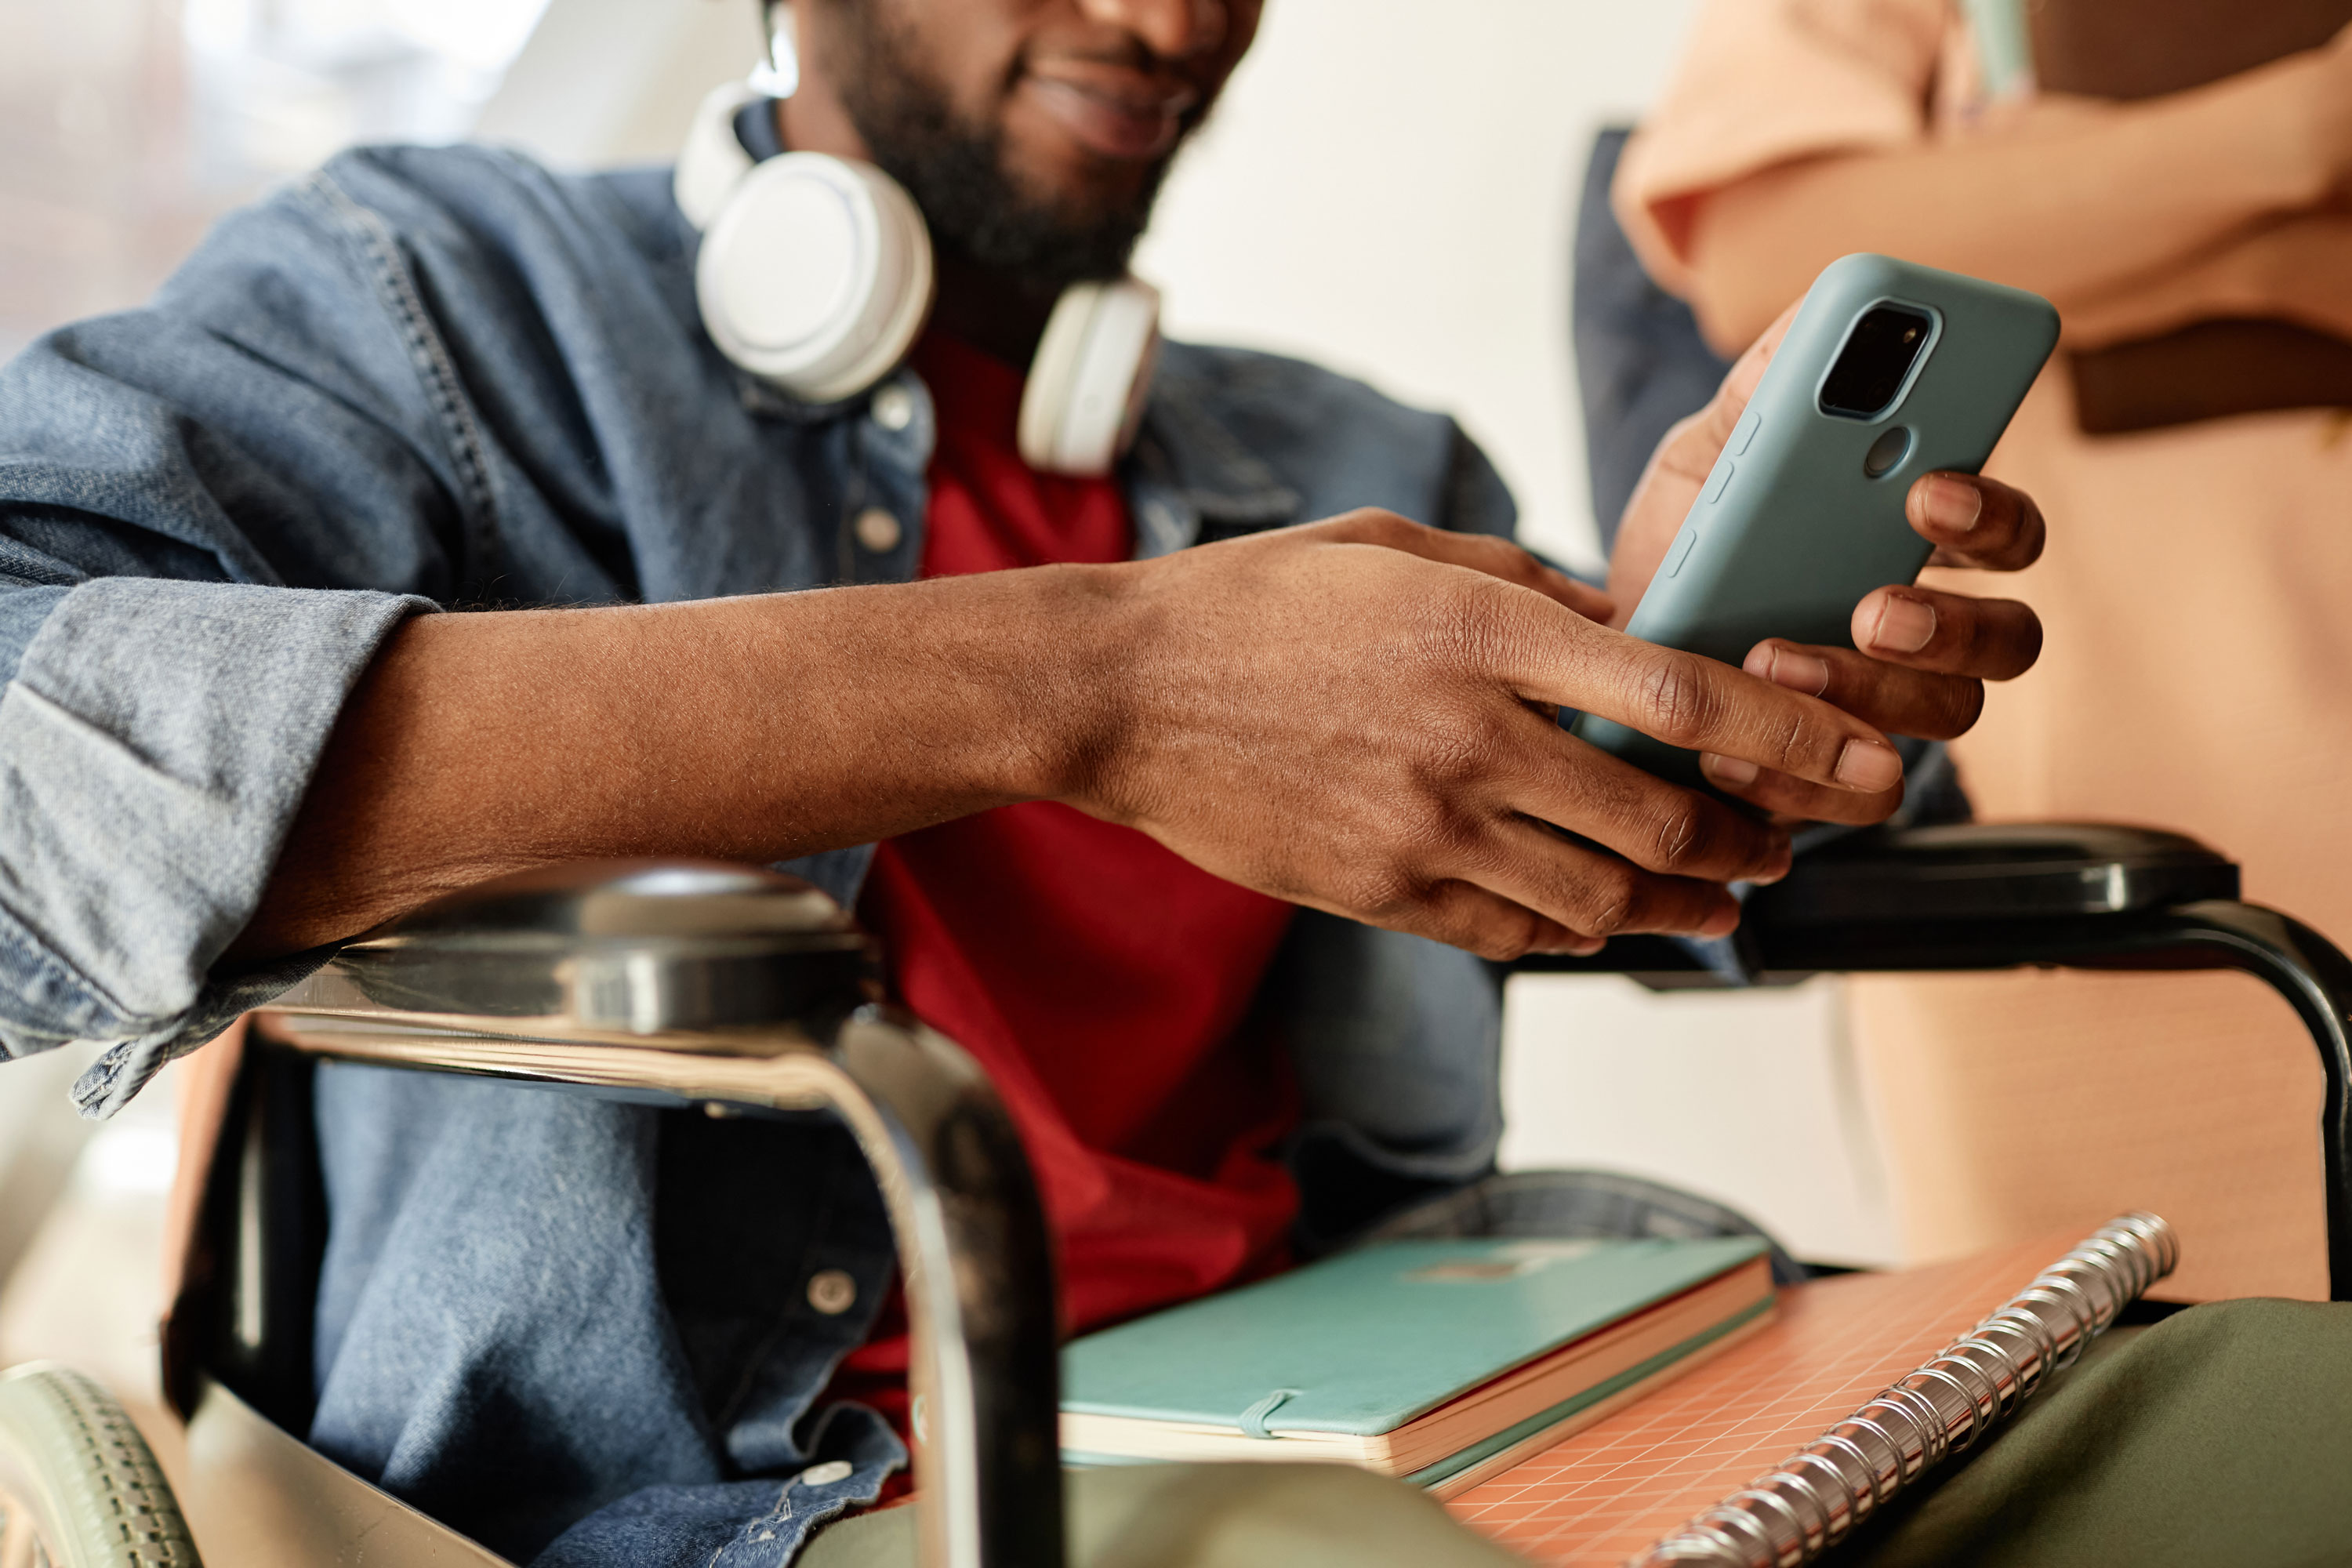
column 2198, row 672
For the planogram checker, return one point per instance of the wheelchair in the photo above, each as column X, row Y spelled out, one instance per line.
column 748, row 993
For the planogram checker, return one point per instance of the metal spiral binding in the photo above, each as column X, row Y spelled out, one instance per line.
column 1813, row 1499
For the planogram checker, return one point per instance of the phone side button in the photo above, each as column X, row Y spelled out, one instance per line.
column 1722, row 481
column 1681, row 551
column 1744, row 434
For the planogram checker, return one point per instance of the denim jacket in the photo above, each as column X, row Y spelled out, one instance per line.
column 424, row 379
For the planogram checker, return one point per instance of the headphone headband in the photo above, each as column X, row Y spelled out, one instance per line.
column 713, row 161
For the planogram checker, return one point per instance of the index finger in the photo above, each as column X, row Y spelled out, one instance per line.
column 1700, row 705
column 1489, row 553
column 1975, row 522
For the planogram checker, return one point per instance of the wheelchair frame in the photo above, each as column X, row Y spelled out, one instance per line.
column 747, row 992
column 736, row 990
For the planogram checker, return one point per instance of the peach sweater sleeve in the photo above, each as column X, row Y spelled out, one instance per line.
column 1768, row 82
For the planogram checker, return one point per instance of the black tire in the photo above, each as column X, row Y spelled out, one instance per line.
column 78, row 1486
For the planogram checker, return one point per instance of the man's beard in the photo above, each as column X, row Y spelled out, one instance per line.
column 975, row 209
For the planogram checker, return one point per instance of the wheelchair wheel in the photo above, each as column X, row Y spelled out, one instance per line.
column 78, row 1486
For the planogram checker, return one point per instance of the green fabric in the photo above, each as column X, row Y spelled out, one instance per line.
column 1214, row 1515
column 2222, row 1434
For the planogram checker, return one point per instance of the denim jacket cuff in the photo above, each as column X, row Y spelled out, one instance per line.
column 154, row 746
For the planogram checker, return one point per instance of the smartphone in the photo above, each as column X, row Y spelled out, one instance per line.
column 1890, row 370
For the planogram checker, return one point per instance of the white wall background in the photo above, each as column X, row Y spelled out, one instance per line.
column 1753, row 1097
column 1389, row 187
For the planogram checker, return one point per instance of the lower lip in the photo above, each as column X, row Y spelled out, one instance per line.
column 1102, row 126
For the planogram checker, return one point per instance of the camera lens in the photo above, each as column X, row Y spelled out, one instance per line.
column 1877, row 355
column 1887, row 452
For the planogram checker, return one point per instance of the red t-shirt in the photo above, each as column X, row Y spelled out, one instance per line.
column 1101, row 979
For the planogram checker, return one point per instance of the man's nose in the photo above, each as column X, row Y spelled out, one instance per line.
column 1175, row 29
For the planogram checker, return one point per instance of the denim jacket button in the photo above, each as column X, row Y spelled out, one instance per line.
column 876, row 531
column 831, row 1292
column 894, row 407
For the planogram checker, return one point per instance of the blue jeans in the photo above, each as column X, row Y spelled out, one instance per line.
column 580, row 1330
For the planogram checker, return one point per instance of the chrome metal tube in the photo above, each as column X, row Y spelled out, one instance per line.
column 723, row 986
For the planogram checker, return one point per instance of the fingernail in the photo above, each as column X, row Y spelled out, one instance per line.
column 1799, row 671
column 1723, row 922
column 1869, row 766
column 1905, row 624
column 1952, row 505
column 1572, row 949
column 1737, row 772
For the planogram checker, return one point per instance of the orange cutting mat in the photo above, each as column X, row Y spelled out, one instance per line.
column 1611, row 1490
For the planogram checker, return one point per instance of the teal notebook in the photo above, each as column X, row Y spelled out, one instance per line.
column 1406, row 1354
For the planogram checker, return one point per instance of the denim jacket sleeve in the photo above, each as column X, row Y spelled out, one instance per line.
column 201, row 504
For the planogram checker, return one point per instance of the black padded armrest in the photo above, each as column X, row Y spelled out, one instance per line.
column 1933, row 896
column 2056, row 895
column 1994, row 872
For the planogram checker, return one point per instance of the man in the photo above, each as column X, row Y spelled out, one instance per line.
column 1197, row 848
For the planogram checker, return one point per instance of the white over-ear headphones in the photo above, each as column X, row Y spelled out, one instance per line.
column 816, row 275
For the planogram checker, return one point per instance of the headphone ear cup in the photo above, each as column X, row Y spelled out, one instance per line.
column 816, row 275
column 1091, row 378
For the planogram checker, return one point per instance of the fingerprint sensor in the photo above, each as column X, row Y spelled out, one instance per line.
column 1887, row 452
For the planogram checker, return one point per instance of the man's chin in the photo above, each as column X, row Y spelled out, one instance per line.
column 1056, row 173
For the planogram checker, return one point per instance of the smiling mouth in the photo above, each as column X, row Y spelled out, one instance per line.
column 1114, row 112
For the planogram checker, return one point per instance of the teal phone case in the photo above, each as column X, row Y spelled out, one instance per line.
column 1790, row 531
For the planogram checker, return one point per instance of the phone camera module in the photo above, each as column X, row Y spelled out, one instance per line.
column 1877, row 357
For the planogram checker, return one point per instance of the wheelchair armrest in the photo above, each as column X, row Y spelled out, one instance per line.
column 1972, row 871
column 615, row 949
column 1931, row 898
column 2070, row 895
column 748, row 993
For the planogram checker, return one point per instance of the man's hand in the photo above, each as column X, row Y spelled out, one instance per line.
column 1360, row 715
column 1926, row 655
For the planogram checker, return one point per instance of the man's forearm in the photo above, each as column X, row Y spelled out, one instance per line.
column 751, row 728
column 1353, row 715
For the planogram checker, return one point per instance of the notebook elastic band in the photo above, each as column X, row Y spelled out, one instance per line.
column 1254, row 1418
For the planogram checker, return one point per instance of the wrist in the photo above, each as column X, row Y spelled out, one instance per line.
column 1070, row 665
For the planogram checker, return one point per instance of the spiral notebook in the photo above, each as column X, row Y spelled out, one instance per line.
column 1613, row 1492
